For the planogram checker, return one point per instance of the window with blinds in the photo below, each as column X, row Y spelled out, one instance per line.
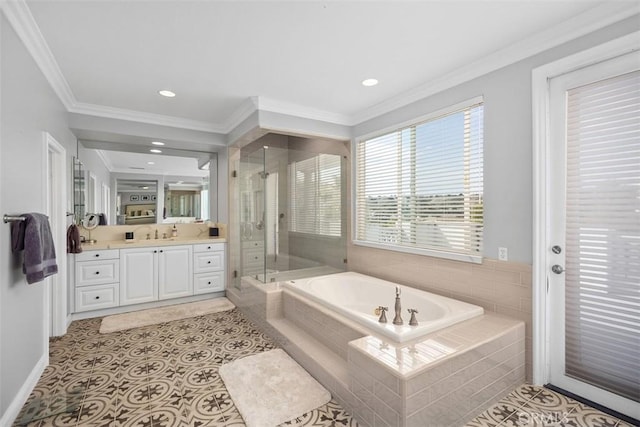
column 420, row 188
column 315, row 195
column 602, row 284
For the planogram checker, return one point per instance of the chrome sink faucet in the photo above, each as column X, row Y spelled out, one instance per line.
column 397, row 320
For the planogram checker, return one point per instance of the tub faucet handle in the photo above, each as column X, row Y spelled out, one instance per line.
column 413, row 321
column 383, row 316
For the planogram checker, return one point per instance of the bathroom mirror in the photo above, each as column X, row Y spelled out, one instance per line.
column 135, row 184
column 136, row 201
column 186, row 200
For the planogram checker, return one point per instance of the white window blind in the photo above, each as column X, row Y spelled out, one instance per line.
column 420, row 188
column 315, row 191
column 603, row 235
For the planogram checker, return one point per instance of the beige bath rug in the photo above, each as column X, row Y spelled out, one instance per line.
column 136, row 319
column 271, row 388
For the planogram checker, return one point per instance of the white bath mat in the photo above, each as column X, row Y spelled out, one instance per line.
column 152, row 316
column 271, row 388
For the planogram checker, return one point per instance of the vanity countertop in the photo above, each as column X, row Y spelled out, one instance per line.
column 171, row 241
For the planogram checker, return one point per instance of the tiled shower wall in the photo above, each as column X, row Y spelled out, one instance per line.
column 498, row 286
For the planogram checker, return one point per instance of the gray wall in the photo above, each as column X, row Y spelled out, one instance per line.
column 508, row 186
column 29, row 107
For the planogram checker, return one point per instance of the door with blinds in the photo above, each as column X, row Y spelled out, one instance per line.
column 594, row 233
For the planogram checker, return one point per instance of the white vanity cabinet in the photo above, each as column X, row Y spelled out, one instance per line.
column 145, row 274
column 97, row 279
column 153, row 273
column 208, row 268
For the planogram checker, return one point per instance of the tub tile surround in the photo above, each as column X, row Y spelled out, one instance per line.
column 502, row 287
column 442, row 379
column 445, row 379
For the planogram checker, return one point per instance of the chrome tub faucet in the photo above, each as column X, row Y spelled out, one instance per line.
column 397, row 320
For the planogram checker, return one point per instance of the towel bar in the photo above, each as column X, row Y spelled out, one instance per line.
column 9, row 218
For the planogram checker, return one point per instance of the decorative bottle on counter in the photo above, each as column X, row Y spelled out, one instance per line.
column 174, row 231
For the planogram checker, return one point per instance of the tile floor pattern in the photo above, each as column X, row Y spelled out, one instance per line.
column 532, row 406
column 166, row 375
column 156, row 376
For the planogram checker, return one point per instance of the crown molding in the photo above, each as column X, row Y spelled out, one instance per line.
column 242, row 113
column 290, row 109
column 580, row 25
column 19, row 16
column 105, row 160
column 142, row 117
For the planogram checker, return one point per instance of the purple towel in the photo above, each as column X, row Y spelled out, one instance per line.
column 33, row 235
column 73, row 240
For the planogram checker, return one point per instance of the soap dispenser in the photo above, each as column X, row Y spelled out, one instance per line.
column 174, row 231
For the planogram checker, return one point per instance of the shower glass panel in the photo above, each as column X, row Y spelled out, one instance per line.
column 292, row 213
column 252, row 230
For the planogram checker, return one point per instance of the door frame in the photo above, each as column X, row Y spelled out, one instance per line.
column 56, row 296
column 541, row 194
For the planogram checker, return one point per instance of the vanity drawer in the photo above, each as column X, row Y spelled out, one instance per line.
column 208, row 247
column 97, row 272
column 208, row 282
column 100, row 254
column 208, row 261
column 96, row 297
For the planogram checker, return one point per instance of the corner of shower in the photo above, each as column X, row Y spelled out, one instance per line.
column 291, row 211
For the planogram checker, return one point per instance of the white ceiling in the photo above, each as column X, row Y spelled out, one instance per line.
column 217, row 54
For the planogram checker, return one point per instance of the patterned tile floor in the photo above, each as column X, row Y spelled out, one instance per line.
column 532, row 406
column 167, row 375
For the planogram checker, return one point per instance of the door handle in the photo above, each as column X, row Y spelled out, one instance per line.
column 557, row 269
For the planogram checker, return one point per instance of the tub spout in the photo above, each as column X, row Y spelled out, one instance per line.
column 397, row 320
column 383, row 316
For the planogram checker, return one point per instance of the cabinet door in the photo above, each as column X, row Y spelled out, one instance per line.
column 138, row 275
column 175, row 272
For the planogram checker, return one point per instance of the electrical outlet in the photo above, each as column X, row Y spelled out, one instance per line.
column 503, row 254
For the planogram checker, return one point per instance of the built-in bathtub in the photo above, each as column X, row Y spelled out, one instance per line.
column 443, row 378
column 357, row 296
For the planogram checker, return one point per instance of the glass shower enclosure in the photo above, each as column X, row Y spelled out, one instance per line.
column 292, row 213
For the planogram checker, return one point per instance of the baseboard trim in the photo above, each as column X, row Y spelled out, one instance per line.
column 14, row 408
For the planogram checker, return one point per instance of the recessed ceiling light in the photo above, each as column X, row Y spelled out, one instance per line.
column 157, row 143
column 155, row 150
column 167, row 93
column 151, row 163
column 369, row 82
column 145, row 187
